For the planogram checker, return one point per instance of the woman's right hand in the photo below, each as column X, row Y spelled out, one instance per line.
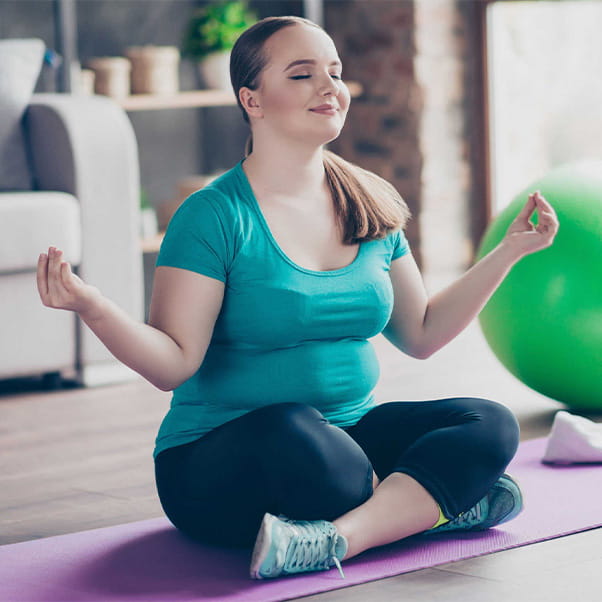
column 60, row 288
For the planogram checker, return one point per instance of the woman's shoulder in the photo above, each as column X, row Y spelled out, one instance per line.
column 220, row 197
column 398, row 243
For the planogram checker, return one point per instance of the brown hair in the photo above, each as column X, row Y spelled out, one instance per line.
column 367, row 207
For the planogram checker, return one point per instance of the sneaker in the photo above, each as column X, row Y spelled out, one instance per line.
column 285, row 546
column 502, row 503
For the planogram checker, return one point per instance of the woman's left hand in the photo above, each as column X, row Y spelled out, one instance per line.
column 523, row 236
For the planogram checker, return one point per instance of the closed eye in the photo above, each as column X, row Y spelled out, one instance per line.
column 307, row 76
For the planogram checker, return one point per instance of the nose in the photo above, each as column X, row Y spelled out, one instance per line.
column 328, row 85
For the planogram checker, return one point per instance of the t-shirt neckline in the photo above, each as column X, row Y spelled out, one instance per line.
column 249, row 190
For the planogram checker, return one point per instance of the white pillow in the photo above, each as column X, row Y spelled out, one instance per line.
column 20, row 65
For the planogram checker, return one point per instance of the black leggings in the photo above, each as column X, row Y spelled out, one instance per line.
column 288, row 459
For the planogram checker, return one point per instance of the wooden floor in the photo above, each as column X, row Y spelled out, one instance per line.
column 80, row 459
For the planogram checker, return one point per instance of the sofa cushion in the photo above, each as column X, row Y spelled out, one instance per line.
column 32, row 222
column 20, row 65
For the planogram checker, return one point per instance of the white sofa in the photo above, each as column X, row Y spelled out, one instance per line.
column 83, row 158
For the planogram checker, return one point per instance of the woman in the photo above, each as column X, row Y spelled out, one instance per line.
column 268, row 284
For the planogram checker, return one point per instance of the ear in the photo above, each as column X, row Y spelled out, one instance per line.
column 250, row 102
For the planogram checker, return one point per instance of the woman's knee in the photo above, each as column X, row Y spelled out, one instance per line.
column 499, row 426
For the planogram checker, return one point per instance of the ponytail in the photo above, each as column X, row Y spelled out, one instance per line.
column 367, row 206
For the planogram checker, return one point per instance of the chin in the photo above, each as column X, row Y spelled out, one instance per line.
column 330, row 134
column 331, row 138
column 322, row 141
column 318, row 136
column 334, row 136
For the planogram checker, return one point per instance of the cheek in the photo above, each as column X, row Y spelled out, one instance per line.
column 344, row 98
column 281, row 100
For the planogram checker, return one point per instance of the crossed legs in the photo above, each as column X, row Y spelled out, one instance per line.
column 288, row 459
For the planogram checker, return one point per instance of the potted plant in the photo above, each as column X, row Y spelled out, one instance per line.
column 210, row 37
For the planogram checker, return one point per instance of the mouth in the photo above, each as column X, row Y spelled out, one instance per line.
column 325, row 111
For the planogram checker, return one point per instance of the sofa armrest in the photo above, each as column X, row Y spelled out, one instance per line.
column 86, row 146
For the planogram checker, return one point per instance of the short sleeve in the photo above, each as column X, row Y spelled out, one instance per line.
column 196, row 238
column 400, row 244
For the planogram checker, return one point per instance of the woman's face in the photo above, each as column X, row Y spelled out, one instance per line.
column 302, row 73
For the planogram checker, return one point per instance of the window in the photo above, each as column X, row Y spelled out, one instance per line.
column 545, row 89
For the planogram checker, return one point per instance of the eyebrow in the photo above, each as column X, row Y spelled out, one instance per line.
column 310, row 62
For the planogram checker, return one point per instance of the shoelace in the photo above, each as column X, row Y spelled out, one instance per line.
column 470, row 517
column 311, row 548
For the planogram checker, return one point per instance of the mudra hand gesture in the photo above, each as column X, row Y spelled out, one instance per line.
column 524, row 236
column 60, row 288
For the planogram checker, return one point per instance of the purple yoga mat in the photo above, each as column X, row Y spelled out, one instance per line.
column 150, row 561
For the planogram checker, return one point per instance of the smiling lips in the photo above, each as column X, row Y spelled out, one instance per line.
column 325, row 110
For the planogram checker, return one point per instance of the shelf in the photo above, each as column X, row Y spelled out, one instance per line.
column 152, row 244
column 182, row 100
column 194, row 98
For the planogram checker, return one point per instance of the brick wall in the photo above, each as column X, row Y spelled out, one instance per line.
column 376, row 43
column 418, row 122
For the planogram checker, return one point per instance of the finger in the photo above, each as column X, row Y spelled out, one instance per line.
column 546, row 211
column 542, row 203
column 547, row 222
column 66, row 275
column 547, row 215
column 42, row 276
column 54, row 272
column 527, row 209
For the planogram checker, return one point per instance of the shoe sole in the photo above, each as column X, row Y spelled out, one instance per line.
column 262, row 545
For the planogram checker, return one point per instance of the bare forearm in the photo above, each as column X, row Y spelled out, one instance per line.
column 145, row 349
column 451, row 310
column 420, row 325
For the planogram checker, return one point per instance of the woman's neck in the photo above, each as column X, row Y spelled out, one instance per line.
column 286, row 174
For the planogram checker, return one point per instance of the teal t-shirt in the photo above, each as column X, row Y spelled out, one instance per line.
column 284, row 333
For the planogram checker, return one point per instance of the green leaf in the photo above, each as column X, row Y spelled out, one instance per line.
column 216, row 27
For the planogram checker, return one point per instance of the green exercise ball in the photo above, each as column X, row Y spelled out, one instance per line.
column 544, row 323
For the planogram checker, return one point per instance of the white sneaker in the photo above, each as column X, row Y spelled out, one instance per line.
column 285, row 546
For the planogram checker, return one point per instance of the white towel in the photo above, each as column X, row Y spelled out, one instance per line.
column 573, row 439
